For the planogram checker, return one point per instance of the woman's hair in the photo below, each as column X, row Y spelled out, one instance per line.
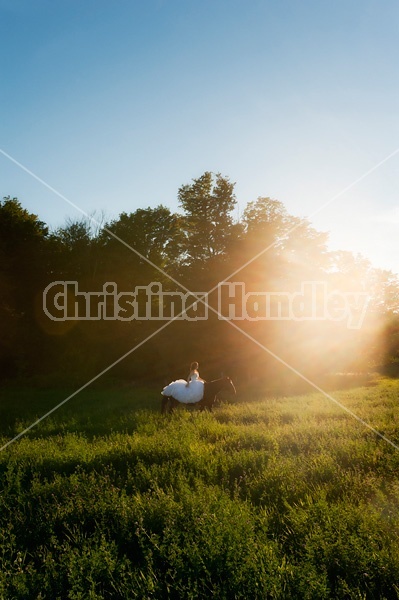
column 194, row 366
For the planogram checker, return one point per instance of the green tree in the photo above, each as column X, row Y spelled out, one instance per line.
column 209, row 227
column 74, row 252
column 22, row 273
column 152, row 233
column 289, row 248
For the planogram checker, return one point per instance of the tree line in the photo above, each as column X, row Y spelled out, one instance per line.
column 197, row 248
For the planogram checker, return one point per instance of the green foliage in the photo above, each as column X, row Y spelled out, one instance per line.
column 23, row 239
column 153, row 233
column 265, row 498
column 209, row 228
column 268, row 251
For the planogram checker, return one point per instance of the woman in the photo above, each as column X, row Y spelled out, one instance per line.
column 189, row 391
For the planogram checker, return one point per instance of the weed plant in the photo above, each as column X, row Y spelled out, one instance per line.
column 265, row 498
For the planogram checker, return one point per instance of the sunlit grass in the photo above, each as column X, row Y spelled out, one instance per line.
column 263, row 498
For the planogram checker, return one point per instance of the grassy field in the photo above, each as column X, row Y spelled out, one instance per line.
column 264, row 498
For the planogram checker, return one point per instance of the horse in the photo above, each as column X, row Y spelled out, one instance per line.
column 211, row 390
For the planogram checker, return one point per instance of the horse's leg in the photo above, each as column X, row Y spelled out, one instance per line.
column 165, row 404
column 206, row 404
column 173, row 404
column 168, row 405
column 210, row 404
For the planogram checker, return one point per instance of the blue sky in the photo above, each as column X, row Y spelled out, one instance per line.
column 117, row 104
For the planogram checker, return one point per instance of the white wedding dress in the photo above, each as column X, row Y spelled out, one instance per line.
column 187, row 394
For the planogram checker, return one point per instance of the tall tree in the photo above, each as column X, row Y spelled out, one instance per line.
column 208, row 224
column 74, row 250
column 286, row 244
column 153, row 233
column 22, row 260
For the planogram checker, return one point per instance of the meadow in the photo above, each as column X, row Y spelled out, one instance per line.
column 265, row 498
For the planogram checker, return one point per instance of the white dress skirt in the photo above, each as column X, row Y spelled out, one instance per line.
column 187, row 394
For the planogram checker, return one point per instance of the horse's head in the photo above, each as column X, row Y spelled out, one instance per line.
column 229, row 385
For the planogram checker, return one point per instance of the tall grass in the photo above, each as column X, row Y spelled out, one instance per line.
column 274, row 498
